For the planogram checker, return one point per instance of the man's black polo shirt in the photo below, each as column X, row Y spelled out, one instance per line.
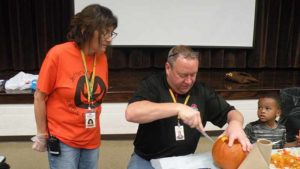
column 157, row 139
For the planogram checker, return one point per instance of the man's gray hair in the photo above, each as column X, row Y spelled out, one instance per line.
column 183, row 51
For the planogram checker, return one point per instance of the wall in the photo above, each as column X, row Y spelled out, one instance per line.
column 18, row 119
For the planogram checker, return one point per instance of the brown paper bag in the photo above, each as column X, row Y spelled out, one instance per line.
column 240, row 77
column 259, row 157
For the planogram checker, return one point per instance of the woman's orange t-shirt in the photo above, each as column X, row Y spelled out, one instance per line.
column 62, row 78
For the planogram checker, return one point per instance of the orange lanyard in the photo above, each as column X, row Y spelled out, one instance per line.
column 89, row 84
column 174, row 99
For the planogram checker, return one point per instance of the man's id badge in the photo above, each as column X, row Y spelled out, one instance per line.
column 179, row 132
column 90, row 119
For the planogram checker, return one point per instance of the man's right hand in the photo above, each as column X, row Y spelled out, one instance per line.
column 190, row 117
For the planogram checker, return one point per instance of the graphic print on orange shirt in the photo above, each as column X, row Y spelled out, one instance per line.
column 81, row 95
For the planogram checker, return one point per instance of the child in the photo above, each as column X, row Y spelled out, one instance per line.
column 266, row 126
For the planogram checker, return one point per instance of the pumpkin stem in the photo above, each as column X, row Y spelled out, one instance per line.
column 224, row 138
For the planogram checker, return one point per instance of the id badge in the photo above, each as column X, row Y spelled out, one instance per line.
column 90, row 119
column 179, row 132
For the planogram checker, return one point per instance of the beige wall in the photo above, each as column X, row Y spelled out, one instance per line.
column 18, row 119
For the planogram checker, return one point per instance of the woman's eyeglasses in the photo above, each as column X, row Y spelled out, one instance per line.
column 110, row 35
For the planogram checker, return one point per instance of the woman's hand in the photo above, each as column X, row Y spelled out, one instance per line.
column 40, row 142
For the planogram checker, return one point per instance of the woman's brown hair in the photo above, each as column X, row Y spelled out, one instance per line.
column 92, row 18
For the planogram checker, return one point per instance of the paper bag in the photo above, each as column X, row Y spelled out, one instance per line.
column 240, row 77
column 259, row 157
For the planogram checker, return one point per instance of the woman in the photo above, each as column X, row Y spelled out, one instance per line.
column 72, row 83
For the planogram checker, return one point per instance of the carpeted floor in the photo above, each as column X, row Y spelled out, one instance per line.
column 114, row 154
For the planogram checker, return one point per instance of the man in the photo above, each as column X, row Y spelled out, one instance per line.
column 171, row 108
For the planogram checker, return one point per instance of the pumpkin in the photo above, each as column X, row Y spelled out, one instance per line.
column 227, row 157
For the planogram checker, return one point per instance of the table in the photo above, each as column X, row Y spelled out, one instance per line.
column 196, row 161
column 191, row 161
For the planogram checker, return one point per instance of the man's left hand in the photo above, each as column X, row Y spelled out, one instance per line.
column 235, row 131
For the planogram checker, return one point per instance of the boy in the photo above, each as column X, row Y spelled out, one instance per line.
column 266, row 126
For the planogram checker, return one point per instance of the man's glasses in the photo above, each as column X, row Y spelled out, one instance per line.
column 110, row 35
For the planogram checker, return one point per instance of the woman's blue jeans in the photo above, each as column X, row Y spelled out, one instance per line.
column 74, row 158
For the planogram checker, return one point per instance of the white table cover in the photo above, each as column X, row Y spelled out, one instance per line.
column 192, row 161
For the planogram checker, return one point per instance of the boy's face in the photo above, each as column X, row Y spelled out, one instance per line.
column 267, row 110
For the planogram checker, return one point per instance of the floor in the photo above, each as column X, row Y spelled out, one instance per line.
column 114, row 154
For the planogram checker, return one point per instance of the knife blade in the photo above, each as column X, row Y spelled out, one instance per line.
column 206, row 136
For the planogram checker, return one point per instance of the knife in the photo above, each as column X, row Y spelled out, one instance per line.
column 207, row 136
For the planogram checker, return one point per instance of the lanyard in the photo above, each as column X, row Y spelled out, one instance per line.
column 89, row 84
column 174, row 100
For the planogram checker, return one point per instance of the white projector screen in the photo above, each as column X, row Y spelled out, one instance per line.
column 208, row 23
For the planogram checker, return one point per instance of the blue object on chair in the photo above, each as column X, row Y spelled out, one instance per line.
column 33, row 84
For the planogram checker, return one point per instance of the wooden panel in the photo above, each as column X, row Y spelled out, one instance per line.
column 123, row 84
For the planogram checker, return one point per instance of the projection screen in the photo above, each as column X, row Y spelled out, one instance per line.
column 207, row 23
